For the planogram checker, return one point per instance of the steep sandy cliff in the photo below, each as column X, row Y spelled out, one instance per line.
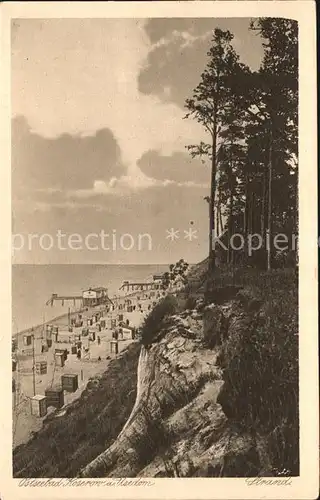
column 210, row 390
column 177, row 427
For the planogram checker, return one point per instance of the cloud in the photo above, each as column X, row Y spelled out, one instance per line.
column 104, row 141
column 65, row 162
column 179, row 54
column 81, row 75
column 162, row 74
column 125, row 186
column 178, row 167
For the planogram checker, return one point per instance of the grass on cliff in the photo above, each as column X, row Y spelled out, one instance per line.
column 156, row 319
column 261, row 368
column 91, row 423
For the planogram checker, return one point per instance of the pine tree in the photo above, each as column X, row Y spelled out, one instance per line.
column 270, row 98
column 211, row 102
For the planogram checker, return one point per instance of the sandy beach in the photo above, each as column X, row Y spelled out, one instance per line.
column 92, row 362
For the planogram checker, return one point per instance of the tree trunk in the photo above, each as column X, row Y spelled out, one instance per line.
column 213, row 195
column 217, row 213
column 264, row 203
column 220, row 221
column 295, row 203
column 269, row 227
column 245, row 213
column 230, row 222
column 249, row 210
column 253, row 219
column 245, row 217
column 219, row 218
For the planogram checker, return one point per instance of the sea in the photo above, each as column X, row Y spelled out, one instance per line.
column 33, row 285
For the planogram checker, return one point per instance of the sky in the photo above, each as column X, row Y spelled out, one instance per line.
column 99, row 140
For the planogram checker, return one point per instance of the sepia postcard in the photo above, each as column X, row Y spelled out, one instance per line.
column 159, row 250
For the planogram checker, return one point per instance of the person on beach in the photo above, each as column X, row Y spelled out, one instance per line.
column 99, row 340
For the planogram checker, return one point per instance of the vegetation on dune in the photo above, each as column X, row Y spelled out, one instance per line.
column 157, row 317
column 260, row 359
column 261, row 368
column 176, row 271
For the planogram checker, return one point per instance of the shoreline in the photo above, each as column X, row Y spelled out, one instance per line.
column 55, row 319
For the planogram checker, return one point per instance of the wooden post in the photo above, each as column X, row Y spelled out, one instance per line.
column 33, row 367
column 269, row 229
column 42, row 331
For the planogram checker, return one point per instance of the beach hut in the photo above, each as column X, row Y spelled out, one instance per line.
column 55, row 397
column 49, row 343
column 69, row 382
column 41, row 367
column 59, row 359
column 39, row 405
column 27, row 339
column 126, row 333
column 44, row 347
column 48, row 331
column 114, row 346
column 62, row 351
